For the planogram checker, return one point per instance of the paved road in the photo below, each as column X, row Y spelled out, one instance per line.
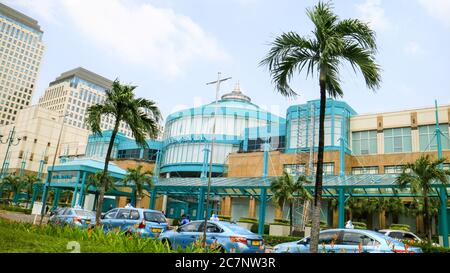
column 20, row 217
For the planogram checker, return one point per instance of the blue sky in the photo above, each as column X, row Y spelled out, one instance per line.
column 171, row 48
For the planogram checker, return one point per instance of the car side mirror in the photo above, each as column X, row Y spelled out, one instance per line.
column 102, row 216
column 178, row 229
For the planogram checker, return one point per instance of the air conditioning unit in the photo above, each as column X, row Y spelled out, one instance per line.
column 364, row 152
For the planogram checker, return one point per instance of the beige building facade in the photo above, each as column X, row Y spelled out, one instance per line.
column 38, row 130
column 73, row 92
column 21, row 52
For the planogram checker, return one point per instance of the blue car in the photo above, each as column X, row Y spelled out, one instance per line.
column 226, row 236
column 76, row 217
column 145, row 222
column 349, row 241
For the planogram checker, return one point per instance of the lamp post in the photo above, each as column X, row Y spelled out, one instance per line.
column 219, row 80
column 49, row 178
column 10, row 142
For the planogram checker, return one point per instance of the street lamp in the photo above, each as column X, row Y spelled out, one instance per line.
column 49, row 178
column 10, row 142
column 219, row 80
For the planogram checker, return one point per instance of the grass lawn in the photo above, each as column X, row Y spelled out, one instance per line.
column 18, row 237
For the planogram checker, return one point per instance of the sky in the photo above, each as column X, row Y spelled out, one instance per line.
column 170, row 49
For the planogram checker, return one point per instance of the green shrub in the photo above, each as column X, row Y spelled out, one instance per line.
column 275, row 240
column 400, row 227
column 280, row 221
column 323, row 224
column 248, row 220
column 224, row 218
column 429, row 248
column 255, row 226
column 16, row 209
column 359, row 225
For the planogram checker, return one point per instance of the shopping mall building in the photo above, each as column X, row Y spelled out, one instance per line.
column 363, row 154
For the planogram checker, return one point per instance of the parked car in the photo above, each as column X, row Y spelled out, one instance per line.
column 348, row 241
column 228, row 237
column 400, row 235
column 146, row 222
column 77, row 217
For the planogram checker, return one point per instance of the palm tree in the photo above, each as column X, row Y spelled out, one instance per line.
column 284, row 190
column 418, row 176
column 15, row 185
column 139, row 178
column 333, row 42
column 29, row 181
column 141, row 115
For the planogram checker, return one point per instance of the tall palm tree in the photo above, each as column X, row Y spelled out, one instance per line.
column 418, row 176
column 139, row 178
column 29, row 181
column 333, row 43
column 141, row 115
column 286, row 190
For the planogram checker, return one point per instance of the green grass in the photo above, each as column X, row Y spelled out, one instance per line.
column 26, row 238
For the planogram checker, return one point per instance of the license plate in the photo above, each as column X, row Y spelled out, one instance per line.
column 256, row 243
column 88, row 222
column 156, row 230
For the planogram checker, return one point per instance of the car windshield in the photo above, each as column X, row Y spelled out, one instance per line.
column 85, row 213
column 153, row 216
column 238, row 229
column 390, row 240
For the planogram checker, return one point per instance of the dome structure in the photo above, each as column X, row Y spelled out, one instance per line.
column 188, row 133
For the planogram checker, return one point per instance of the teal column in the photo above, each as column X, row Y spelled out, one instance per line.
column 75, row 190
column 262, row 211
column 34, row 196
column 246, row 136
column 157, row 165
column 153, row 199
column 341, row 208
column 45, row 193
column 41, row 167
column 205, row 163
column 438, row 133
column 141, row 153
column 341, row 157
column 83, row 182
column 266, row 159
column 443, row 216
column 56, row 198
column 201, row 201
column 22, row 165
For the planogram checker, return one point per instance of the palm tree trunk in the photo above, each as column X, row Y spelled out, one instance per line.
column 315, row 229
column 138, row 200
column 291, row 207
column 427, row 222
column 98, row 212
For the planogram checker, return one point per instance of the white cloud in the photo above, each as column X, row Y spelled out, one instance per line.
column 371, row 11
column 135, row 32
column 414, row 48
column 440, row 9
